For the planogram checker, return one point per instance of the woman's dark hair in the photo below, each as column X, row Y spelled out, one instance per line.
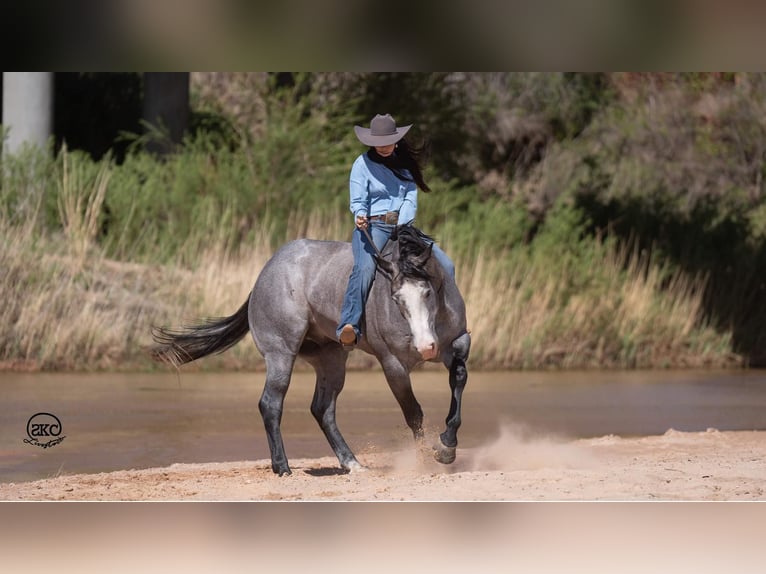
column 405, row 157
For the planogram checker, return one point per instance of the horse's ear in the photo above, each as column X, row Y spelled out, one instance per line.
column 421, row 259
column 386, row 266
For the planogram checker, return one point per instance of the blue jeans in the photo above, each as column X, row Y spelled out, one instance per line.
column 363, row 273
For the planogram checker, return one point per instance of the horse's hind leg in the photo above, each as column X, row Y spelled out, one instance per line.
column 279, row 368
column 329, row 362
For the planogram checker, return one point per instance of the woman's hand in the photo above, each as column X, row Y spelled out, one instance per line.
column 361, row 221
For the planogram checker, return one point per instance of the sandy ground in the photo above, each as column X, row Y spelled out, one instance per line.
column 709, row 465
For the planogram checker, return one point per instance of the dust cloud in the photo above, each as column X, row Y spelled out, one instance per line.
column 515, row 447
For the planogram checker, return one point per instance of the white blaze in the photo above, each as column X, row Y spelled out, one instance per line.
column 412, row 297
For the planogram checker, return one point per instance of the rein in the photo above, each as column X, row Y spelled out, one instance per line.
column 369, row 238
column 380, row 254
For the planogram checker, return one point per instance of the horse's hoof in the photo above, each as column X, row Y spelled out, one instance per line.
column 285, row 471
column 354, row 467
column 445, row 454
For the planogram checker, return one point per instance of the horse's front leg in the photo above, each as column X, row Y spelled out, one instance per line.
column 398, row 378
column 458, row 377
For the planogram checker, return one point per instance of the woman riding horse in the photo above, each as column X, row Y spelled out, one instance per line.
column 383, row 186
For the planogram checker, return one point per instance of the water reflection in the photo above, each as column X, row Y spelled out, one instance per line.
column 124, row 421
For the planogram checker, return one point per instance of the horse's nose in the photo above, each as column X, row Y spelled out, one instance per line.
column 429, row 351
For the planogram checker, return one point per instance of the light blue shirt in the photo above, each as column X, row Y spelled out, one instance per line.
column 375, row 190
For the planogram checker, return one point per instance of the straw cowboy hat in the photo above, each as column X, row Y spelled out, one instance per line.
column 382, row 131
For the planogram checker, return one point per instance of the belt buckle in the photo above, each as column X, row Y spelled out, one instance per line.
column 392, row 217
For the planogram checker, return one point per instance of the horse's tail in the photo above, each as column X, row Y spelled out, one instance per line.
column 189, row 343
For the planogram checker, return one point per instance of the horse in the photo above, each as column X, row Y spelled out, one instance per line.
column 414, row 313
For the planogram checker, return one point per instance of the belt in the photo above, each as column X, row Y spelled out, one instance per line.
column 390, row 217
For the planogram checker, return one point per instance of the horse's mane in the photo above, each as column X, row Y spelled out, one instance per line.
column 412, row 244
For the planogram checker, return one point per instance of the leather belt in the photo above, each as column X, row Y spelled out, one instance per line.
column 390, row 217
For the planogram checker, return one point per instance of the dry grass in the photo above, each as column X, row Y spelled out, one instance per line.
column 66, row 312
column 80, row 202
column 70, row 313
column 629, row 318
column 69, row 307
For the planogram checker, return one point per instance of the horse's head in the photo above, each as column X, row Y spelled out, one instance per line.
column 414, row 289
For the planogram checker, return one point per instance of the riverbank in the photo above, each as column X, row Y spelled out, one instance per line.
column 709, row 465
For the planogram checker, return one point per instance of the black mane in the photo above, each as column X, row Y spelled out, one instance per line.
column 412, row 244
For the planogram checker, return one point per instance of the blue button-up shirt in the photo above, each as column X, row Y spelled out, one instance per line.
column 375, row 189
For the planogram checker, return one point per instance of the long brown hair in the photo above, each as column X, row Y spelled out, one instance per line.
column 405, row 157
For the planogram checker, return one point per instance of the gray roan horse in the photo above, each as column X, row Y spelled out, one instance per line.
column 414, row 313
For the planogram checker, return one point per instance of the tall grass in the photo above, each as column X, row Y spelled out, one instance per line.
column 69, row 306
column 95, row 253
column 631, row 314
column 80, row 202
column 64, row 312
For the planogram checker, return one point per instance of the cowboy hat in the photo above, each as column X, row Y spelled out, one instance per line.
column 382, row 131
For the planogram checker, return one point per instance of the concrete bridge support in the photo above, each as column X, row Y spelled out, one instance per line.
column 27, row 109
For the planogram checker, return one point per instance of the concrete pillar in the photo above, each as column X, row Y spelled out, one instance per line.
column 27, row 108
column 166, row 106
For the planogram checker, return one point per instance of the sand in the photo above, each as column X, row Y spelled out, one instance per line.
column 700, row 466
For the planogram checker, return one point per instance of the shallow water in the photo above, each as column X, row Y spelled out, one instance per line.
column 126, row 421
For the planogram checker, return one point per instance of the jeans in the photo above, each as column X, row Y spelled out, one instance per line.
column 363, row 273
